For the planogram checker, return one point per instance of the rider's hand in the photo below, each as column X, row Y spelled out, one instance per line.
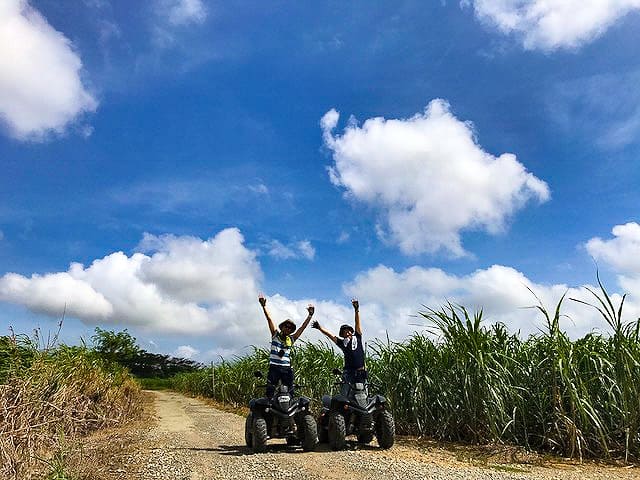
column 315, row 324
column 262, row 299
column 354, row 302
column 311, row 309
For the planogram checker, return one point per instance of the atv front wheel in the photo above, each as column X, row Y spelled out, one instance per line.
column 365, row 429
column 248, row 425
column 309, row 432
column 259, row 435
column 337, row 431
column 385, row 429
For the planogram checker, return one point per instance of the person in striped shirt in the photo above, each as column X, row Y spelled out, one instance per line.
column 282, row 339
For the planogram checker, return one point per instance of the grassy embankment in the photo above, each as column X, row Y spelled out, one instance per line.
column 49, row 399
column 471, row 383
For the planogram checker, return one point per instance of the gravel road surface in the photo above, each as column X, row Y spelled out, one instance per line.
column 190, row 440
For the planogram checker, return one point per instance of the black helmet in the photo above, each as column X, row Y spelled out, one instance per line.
column 343, row 328
column 287, row 322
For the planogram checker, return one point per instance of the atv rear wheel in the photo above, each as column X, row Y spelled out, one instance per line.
column 385, row 429
column 309, row 431
column 259, row 435
column 248, row 425
column 337, row 431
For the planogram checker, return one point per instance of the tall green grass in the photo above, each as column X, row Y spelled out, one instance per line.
column 474, row 383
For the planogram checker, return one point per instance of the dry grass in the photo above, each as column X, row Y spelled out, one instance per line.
column 49, row 405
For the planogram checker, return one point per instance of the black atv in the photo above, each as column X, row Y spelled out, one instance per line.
column 280, row 416
column 356, row 413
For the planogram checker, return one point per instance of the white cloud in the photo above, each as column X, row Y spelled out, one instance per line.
column 301, row 249
column 41, row 89
column 621, row 252
column 185, row 351
column 208, row 288
column 389, row 299
column 429, row 177
column 550, row 25
column 54, row 293
column 186, row 286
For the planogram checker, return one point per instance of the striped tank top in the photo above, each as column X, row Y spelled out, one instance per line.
column 280, row 345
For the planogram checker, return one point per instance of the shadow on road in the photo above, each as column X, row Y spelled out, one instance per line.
column 241, row 450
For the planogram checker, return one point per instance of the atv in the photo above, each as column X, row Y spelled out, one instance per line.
column 280, row 416
column 355, row 413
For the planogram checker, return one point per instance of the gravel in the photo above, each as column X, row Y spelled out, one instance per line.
column 192, row 441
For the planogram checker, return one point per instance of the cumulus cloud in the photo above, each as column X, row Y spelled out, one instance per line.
column 622, row 254
column 295, row 250
column 41, row 89
column 186, row 285
column 429, row 177
column 390, row 299
column 551, row 25
column 208, row 288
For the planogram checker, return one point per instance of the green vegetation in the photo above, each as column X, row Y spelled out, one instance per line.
column 121, row 348
column 480, row 384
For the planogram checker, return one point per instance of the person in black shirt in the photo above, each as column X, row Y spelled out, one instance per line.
column 350, row 342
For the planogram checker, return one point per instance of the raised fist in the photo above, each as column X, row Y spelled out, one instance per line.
column 311, row 309
column 262, row 299
column 354, row 302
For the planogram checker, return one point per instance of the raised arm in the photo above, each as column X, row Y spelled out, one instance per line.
column 263, row 302
column 356, row 308
column 310, row 309
column 326, row 332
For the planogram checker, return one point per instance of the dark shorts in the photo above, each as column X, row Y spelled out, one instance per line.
column 278, row 373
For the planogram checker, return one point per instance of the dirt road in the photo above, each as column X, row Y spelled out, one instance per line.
column 193, row 441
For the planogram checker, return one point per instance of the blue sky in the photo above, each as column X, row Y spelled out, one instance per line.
column 163, row 162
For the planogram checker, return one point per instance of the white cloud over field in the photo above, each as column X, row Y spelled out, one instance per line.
column 622, row 254
column 41, row 89
column 553, row 24
column 429, row 177
column 208, row 289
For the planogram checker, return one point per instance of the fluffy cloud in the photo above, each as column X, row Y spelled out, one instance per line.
column 622, row 253
column 301, row 249
column 429, row 177
column 550, row 25
column 41, row 89
column 390, row 298
column 186, row 285
column 208, row 288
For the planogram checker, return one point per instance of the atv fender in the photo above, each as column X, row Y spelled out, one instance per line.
column 258, row 403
